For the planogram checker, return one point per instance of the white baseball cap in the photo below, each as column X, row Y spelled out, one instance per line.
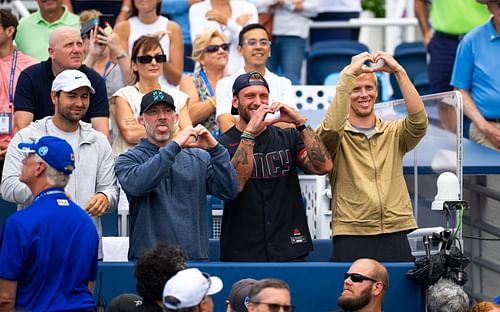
column 71, row 79
column 188, row 288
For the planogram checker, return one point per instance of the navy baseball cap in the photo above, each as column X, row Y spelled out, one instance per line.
column 246, row 80
column 54, row 151
column 154, row 97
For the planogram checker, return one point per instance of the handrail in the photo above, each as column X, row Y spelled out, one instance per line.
column 19, row 7
column 369, row 22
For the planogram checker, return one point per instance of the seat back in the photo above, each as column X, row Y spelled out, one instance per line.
column 331, row 56
column 413, row 57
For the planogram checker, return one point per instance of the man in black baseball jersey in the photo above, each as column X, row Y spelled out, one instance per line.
column 267, row 220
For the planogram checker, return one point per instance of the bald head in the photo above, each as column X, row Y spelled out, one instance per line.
column 65, row 49
column 375, row 269
column 61, row 32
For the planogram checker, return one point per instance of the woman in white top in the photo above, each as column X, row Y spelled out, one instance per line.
column 146, row 20
column 147, row 59
column 226, row 16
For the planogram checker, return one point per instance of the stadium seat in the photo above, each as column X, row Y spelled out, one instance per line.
column 327, row 57
column 413, row 57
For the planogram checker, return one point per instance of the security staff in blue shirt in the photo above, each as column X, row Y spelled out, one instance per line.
column 48, row 251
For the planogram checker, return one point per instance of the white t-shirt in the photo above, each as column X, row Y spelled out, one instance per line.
column 339, row 6
column 198, row 23
column 280, row 90
column 138, row 28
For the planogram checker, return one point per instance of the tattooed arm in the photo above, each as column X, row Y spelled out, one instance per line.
column 316, row 159
column 243, row 162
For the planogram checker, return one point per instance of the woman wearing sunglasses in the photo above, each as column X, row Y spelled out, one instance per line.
column 146, row 20
column 210, row 50
column 147, row 60
column 226, row 16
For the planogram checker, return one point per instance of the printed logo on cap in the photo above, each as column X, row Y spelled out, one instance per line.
column 158, row 96
column 43, row 150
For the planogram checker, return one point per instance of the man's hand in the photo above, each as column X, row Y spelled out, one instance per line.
column 97, row 205
column 186, row 134
column 243, row 19
column 389, row 65
column 358, row 66
column 204, row 139
column 427, row 37
column 287, row 114
column 257, row 122
column 492, row 133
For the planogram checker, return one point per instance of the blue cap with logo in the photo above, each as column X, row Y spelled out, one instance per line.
column 54, row 151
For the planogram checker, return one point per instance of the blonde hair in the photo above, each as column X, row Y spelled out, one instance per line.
column 87, row 15
column 201, row 42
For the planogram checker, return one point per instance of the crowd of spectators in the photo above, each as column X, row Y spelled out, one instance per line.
column 226, row 128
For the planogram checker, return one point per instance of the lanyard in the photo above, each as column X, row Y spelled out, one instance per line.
column 51, row 191
column 11, row 83
column 105, row 69
column 207, row 83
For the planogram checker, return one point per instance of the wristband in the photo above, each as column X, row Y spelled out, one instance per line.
column 247, row 136
column 125, row 9
column 120, row 56
column 211, row 100
column 302, row 127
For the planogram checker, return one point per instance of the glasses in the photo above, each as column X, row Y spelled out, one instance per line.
column 358, row 278
column 215, row 48
column 254, row 42
column 146, row 59
column 274, row 307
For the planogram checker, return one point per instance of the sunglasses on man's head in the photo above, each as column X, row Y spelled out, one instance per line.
column 214, row 48
column 146, row 59
column 358, row 278
column 274, row 307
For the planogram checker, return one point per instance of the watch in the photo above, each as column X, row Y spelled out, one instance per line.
column 302, row 127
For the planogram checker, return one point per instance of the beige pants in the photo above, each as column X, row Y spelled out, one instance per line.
column 479, row 137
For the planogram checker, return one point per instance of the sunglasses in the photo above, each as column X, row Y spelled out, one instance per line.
column 214, row 48
column 146, row 59
column 274, row 307
column 358, row 278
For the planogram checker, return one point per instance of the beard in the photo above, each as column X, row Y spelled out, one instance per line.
column 355, row 303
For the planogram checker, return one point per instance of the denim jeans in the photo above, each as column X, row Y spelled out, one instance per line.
column 287, row 54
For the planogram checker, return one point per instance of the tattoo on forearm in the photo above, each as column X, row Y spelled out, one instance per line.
column 240, row 158
column 317, row 152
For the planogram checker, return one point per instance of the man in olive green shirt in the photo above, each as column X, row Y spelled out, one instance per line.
column 33, row 32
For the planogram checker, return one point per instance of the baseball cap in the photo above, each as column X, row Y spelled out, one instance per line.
column 246, row 80
column 126, row 303
column 154, row 97
column 188, row 288
column 71, row 79
column 238, row 296
column 54, row 151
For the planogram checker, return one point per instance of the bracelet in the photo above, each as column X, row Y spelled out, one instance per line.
column 212, row 101
column 125, row 9
column 120, row 56
column 247, row 136
column 302, row 127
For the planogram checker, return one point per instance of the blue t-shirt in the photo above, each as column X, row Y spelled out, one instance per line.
column 476, row 69
column 33, row 92
column 50, row 249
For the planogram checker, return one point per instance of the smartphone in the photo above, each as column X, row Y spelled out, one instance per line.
column 105, row 25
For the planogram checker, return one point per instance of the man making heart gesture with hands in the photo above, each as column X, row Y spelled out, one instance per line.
column 371, row 207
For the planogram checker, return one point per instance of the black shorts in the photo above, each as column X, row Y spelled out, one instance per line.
column 393, row 247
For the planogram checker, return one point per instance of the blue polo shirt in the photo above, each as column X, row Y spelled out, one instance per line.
column 33, row 92
column 476, row 69
column 50, row 249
